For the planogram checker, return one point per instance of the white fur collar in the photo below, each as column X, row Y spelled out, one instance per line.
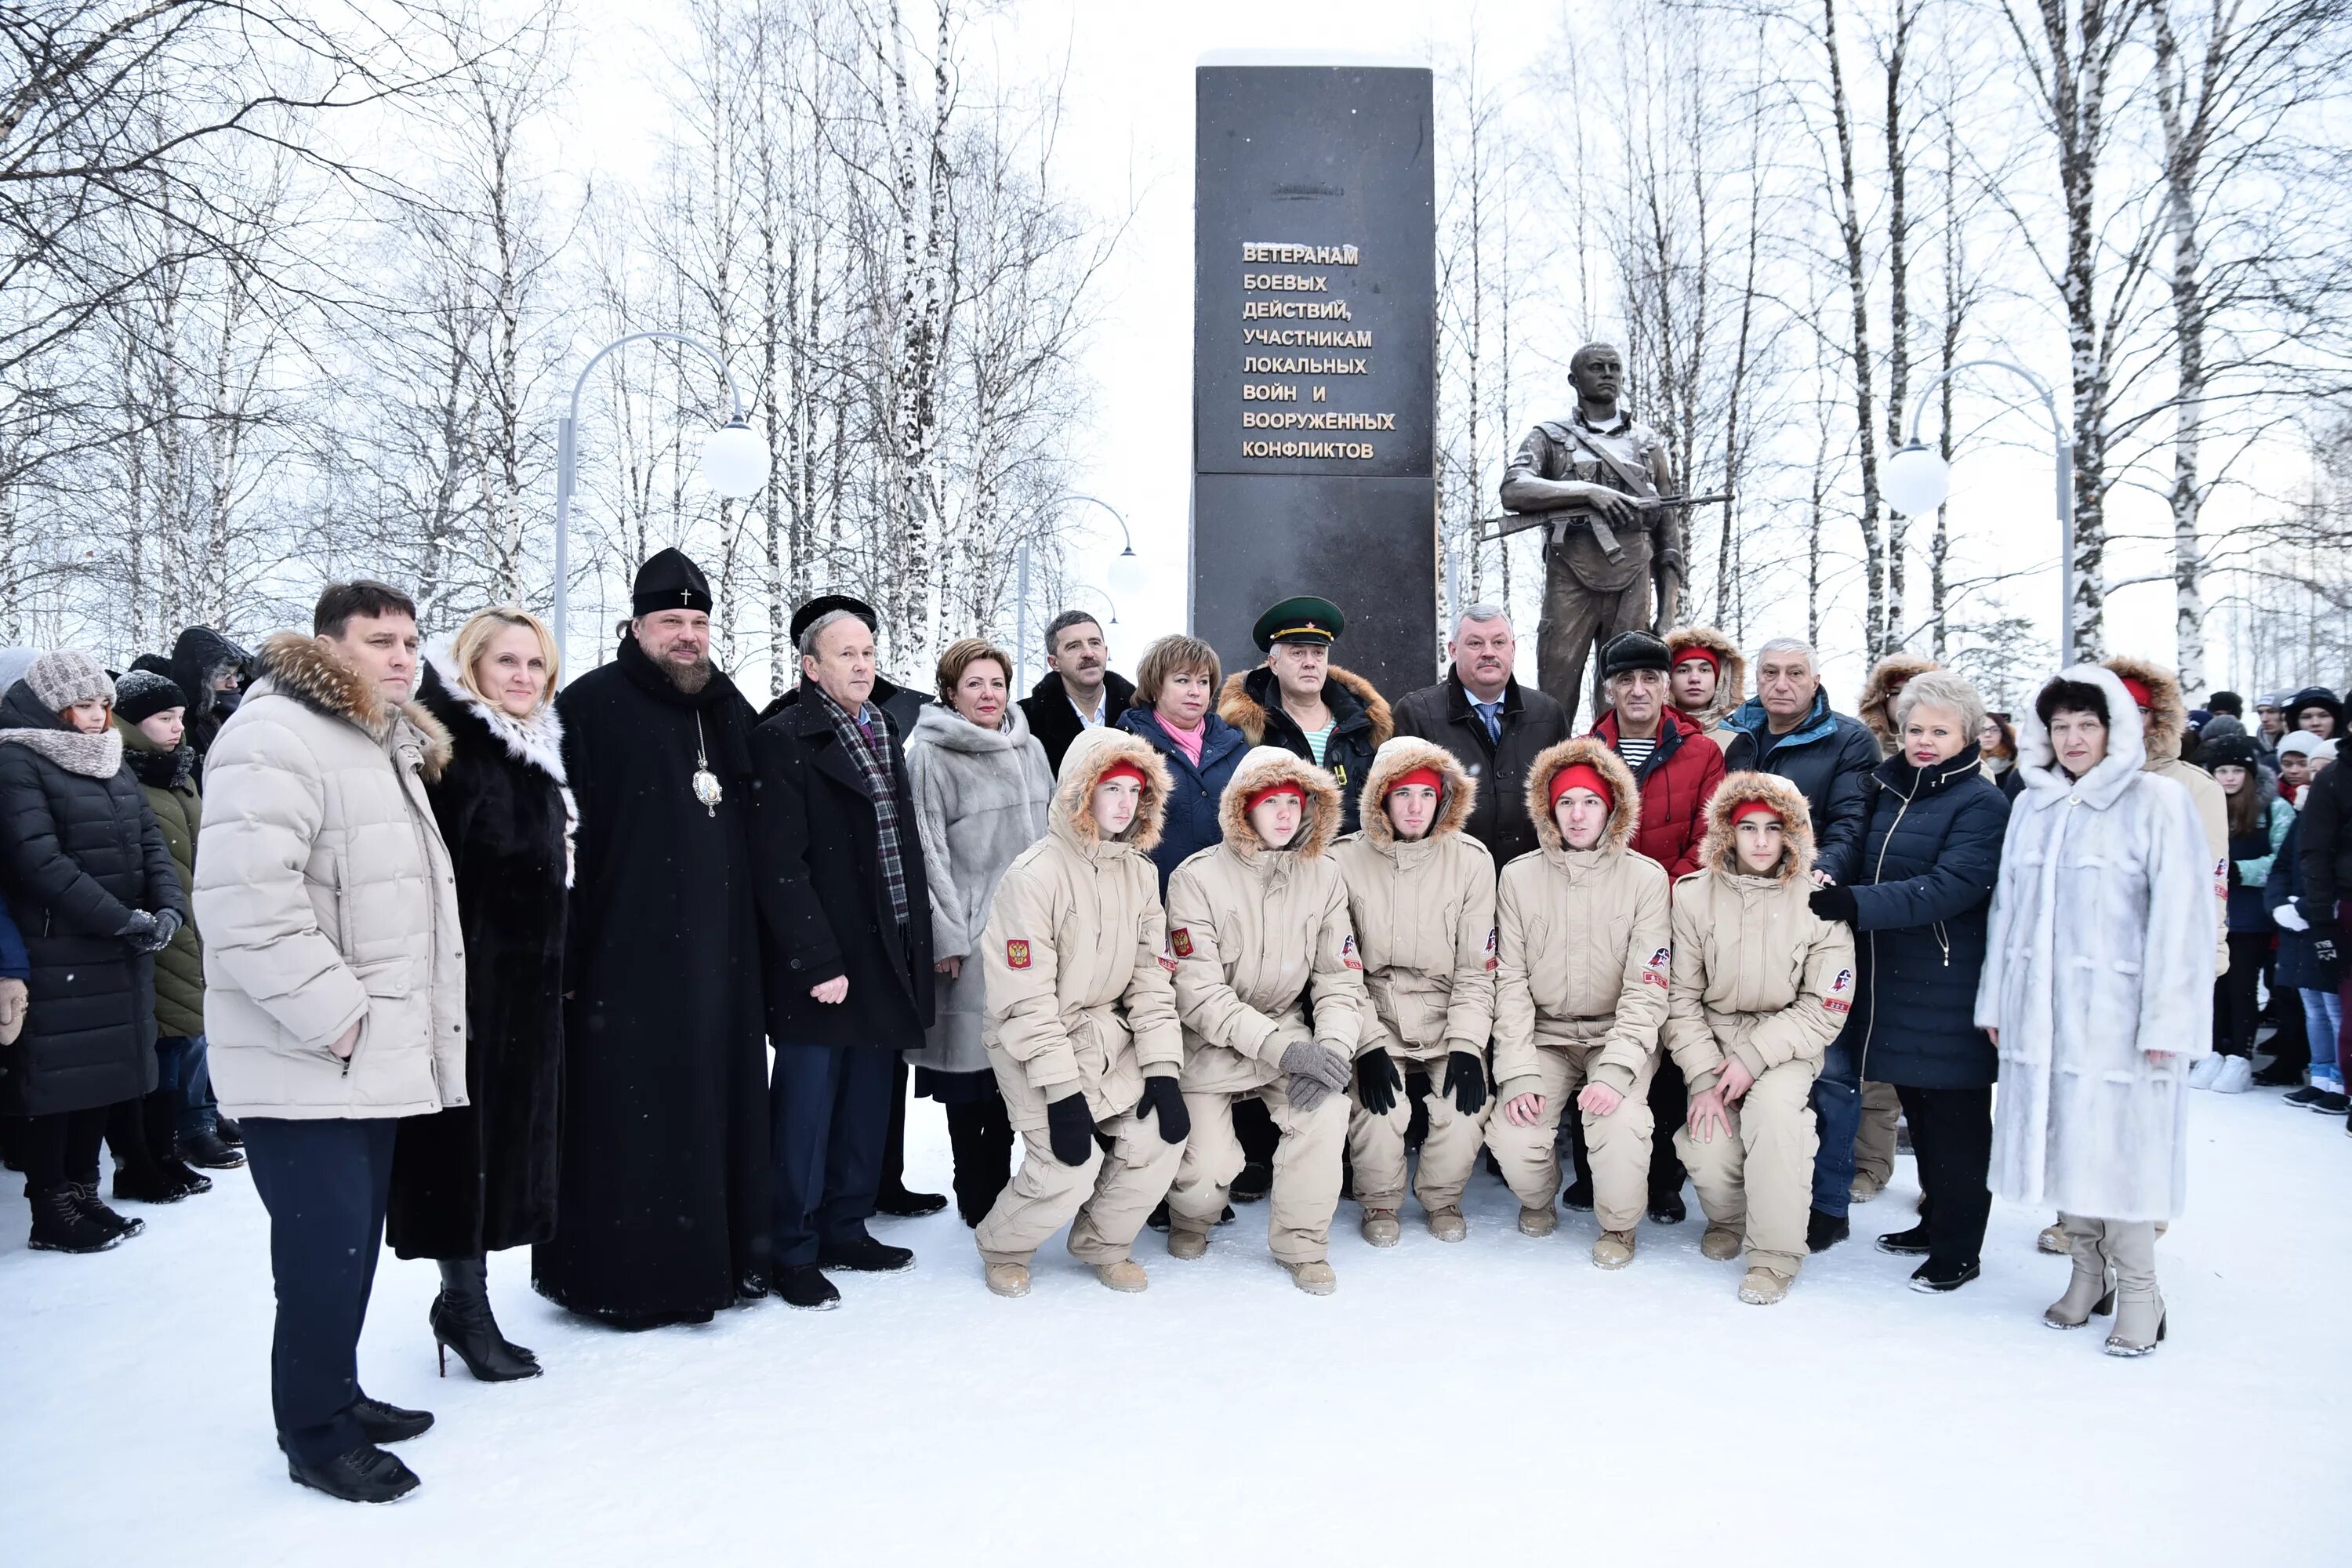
column 538, row 740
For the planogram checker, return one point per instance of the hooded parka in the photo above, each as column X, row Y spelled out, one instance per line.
column 1584, row 956
column 1265, row 957
column 1758, row 977
column 1730, row 675
column 1423, row 915
column 1079, row 1002
column 1531, row 721
column 1360, row 725
column 2165, row 725
column 1192, row 824
column 1875, row 707
column 2096, row 963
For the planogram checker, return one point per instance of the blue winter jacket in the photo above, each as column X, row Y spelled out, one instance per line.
column 1923, row 889
column 1828, row 758
column 1192, row 824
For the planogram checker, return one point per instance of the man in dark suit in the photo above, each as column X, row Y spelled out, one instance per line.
column 1482, row 714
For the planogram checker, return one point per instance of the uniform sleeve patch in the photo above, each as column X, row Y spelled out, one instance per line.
column 1181, row 942
column 1654, row 971
column 1016, row 953
column 1493, row 939
column 1837, row 1001
column 1348, row 954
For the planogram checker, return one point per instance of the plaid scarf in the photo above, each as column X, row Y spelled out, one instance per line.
column 871, row 753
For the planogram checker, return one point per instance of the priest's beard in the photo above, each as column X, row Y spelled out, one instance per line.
column 690, row 678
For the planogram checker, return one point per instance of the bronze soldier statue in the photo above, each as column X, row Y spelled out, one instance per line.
column 1601, row 476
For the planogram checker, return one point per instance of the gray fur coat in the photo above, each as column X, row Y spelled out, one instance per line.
column 980, row 798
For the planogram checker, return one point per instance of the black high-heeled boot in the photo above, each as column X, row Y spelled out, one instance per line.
column 461, row 1321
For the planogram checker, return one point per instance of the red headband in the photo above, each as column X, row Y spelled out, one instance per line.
column 1418, row 776
column 1122, row 769
column 1746, row 809
column 1708, row 654
column 1581, row 775
column 1285, row 786
column 2140, row 692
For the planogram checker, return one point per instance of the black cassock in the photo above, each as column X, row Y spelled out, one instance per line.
column 662, row 1205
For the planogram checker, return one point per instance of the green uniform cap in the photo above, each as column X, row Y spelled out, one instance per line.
column 1303, row 620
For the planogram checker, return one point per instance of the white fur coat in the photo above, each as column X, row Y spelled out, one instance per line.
column 2100, row 951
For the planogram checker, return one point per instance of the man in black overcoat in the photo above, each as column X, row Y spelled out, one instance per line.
column 846, row 921
column 662, row 1194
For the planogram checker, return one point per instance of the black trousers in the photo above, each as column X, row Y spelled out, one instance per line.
column 61, row 1146
column 828, row 1123
column 1254, row 1125
column 2236, row 1010
column 325, row 1184
column 894, row 1144
column 980, row 1133
column 1951, row 1139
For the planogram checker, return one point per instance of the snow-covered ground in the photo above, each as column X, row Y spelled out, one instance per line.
column 1499, row 1401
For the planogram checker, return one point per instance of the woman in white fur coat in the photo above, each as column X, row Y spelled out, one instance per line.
column 2097, row 972
column 981, row 786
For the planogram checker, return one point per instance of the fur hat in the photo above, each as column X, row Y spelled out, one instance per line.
column 1633, row 650
column 63, row 678
column 143, row 694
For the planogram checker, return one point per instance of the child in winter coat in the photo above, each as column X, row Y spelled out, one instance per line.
column 2258, row 823
column 1761, row 985
column 1421, row 894
column 1581, row 993
column 1081, row 1022
column 1270, row 987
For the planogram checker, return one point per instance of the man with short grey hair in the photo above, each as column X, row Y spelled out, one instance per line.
column 1495, row 726
column 1787, row 729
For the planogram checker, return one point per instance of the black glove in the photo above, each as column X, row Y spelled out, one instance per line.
column 139, row 931
column 1378, row 1080
column 1465, row 1080
column 1161, row 1099
column 167, row 926
column 1071, row 1130
column 1835, row 902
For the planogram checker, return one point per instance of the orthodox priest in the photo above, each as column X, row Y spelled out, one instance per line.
column 662, row 1203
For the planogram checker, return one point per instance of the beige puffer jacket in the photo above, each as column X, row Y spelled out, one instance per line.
column 1424, row 913
column 1254, row 930
column 326, row 898
column 1756, row 973
column 1584, row 938
column 2165, row 725
column 1075, row 950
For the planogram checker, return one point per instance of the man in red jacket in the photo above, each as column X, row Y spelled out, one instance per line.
column 1678, row 768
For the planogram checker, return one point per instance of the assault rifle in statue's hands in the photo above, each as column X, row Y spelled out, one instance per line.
column 1561, row 519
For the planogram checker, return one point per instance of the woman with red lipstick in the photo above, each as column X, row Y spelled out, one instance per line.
column 1917, row 905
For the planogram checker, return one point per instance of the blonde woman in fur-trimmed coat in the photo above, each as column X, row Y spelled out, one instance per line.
column 2097, row 993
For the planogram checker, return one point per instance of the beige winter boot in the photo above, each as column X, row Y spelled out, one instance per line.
column 1380, row 1228
column 2090, row 1293
column 1187, row 1244
column 1763, row 1287
column 1447, row 1223
column 1720, row 1243
column 1613, row 1250
column 1538, row 1221
column 1865, row 1188
column 2054, row 1238
column 2139, row 1305
column 1008, row 1278
column 1316, row 1278
column 1126, row 1275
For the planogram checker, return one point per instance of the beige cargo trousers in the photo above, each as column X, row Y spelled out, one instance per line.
column 1306, row 1169
column 1103, row 1202
column 1759, row 1180
column 1617, row 1144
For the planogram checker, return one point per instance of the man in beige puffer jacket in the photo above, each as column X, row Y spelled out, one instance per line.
column 334, row 992
column 1259, row 929
column 1581, row 995
column 1761, row 985
column 1422, row 905
column 1080, row 1020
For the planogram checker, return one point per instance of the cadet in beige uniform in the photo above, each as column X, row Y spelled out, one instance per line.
column 1761, row 985
column 1259, row 930
column 1081, row 1020
column 1581, row 993
column 1422, row 895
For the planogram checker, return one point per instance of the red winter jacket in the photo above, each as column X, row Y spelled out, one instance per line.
column 1676, row 784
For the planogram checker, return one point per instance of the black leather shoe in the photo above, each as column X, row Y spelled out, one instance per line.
column 1938, row 1278
column 382, row 1423
column 228, row 1132
column 864, row 1255
column 752, row 1286
column 1579, row 1195
column 906, row 1205
column 209, row 1150
column 1823, row 1231
column 1252, row 1184
column 1666, row 1208
column 366, row 1474
column 1912, row 1243
column 807, row 1288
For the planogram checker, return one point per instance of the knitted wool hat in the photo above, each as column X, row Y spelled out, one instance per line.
column 143, row 694
column 63, row 678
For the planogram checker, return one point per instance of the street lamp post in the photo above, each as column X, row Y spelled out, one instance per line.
column 1918, row 481
column 735, row 461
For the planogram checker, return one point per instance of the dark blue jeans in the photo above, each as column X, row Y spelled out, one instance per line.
column 325, row 1184
column 829, row 1120
column 1837, row 1113
column 184, row 1072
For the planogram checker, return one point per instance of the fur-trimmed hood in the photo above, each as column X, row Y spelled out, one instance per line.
column 1717, row 852
column 1098, row 749
column 1265, row 765
column 1731, row 669
column 1236, row 706
column 1624, row 813
column 302, row 669
column 2168, row 714
column 1887, row 678
column 1400, row 756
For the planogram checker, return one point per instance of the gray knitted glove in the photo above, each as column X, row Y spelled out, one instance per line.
column 1306, row 1093
column 1305, row 1059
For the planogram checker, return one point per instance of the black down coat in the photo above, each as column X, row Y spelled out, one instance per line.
column 1923, row 888
column 79, row 851
column 482, row 1177
column 824, row 910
